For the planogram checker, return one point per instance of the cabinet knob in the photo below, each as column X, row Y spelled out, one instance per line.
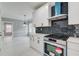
column 33, row 38
column 41, row 24
column 0, row 34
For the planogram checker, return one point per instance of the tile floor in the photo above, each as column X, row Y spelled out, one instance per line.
column 18, row 46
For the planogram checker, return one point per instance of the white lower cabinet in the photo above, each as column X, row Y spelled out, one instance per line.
column 37, row 43
column 40, row 45
column 72, row 52
column 31, row 41
column 73, row 46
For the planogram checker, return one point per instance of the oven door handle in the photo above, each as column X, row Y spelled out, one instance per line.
column 55, row 44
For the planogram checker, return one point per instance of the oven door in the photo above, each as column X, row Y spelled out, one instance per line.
column 54, row 49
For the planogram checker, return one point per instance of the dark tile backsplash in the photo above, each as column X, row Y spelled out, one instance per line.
column 77, row 30
column 69, row 30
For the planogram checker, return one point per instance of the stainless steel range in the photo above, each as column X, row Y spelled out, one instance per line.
column 55, row 45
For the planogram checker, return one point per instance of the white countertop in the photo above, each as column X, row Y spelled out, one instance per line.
column 73, row 39
column 40, row 34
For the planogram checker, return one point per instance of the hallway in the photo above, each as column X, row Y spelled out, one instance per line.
column 18, row 46
column 20, row 16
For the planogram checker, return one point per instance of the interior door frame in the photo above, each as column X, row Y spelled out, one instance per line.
column 3, row 27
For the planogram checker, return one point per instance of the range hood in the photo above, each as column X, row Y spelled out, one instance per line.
column 58, row 17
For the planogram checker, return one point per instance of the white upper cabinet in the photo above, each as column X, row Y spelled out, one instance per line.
column 41, row 16
column 73, row 10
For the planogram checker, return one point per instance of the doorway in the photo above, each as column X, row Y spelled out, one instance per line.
column 8, row 32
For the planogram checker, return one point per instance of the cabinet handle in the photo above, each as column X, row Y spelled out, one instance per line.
column 38, row 41
column 41, row 24
column 33, row 38
column 0, row 34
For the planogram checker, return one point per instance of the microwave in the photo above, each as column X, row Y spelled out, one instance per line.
column 59, row 8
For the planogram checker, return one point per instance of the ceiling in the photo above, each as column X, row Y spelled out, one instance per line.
column 17, row 10
column 33, row 5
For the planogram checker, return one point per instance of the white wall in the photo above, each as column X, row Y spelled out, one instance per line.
column 16, row 12
column 18, row 28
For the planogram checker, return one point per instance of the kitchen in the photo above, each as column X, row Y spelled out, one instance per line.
column 40, row 28
column 56, row 29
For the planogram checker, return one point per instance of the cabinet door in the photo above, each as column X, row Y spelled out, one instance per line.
column 32, row 41
column 40, row 43
column 41, row 16
column 73, row 11
column 72, row 52
column 44, row 14
column 41, row 46
column 36, row 17
column 73, row 46
column 35, row 42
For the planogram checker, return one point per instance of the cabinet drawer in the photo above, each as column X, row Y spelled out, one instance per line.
column 74, row 46
column 72, row 52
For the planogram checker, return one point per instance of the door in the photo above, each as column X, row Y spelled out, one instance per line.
column 8, row 32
